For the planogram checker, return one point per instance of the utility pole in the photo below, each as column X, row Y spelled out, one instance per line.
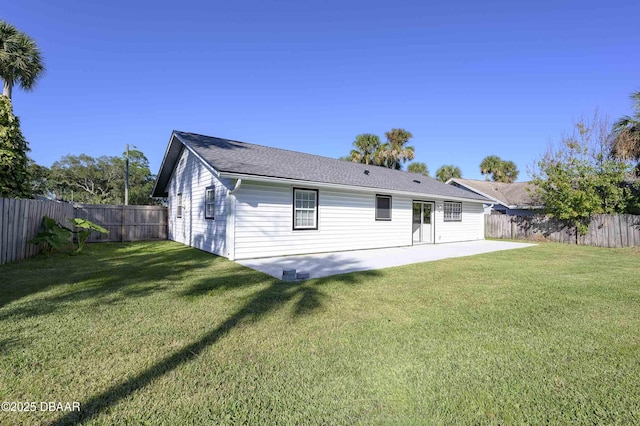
column 126, row 179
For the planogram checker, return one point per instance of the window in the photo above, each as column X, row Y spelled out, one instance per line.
column 179, row 214
column 209, row 203
column 452, row 211
column 305, row 208
column 383, row 207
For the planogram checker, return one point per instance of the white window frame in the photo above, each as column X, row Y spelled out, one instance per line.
column 299, row 207
column 210, row 204
column 379, row 197
column 179, row 205
column 452, row 211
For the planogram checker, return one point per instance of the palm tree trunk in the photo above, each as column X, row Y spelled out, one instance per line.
column 7, row 89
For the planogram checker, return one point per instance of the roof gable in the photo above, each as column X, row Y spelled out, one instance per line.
column 233, row 157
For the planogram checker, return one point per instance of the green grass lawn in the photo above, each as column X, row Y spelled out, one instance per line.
column 158, row 333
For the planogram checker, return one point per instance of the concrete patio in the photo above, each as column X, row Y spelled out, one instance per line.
column 327, row 264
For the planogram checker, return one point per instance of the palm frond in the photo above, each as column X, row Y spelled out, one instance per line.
column 20, row 58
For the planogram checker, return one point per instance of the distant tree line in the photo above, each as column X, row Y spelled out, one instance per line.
column 395, row 152
column 100, row 180
column 80, row 178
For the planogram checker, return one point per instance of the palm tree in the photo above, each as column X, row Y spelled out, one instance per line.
column 508, row 172
column 626, row 134
column 20, row 59
column 418, row 167
column 490, row 165
column 367, row 148
column 447, row 172
column 395, row 151
column 498, row 169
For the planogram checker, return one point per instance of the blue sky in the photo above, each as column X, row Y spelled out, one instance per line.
column 467, row 78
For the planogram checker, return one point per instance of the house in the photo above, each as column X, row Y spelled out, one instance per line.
column 241, row 200
column 506, row 198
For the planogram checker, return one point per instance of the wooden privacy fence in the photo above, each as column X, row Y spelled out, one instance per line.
column 605, row 230
column 125, row 223
column 20, row 221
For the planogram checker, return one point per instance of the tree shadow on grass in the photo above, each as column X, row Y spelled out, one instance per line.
column 306, row 296
column 9, row 343
column 105, row 274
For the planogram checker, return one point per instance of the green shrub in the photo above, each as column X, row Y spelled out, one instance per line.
column 57, row 236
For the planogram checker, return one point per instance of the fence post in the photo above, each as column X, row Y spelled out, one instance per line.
column 513, row 228
column 122, row 226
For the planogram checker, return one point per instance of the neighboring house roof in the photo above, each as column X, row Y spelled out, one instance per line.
column 244, row 160
column 511, row 195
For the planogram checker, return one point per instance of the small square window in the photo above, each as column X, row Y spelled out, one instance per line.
column 210, row 203
column 383, row 207
column 452, row 211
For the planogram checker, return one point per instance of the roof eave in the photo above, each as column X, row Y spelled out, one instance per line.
column 164, row 170
column 272, row 179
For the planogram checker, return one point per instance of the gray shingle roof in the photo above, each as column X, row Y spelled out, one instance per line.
column 228, row 156
column 508, row 194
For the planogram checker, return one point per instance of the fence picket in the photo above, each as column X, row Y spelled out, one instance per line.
column 3, row 227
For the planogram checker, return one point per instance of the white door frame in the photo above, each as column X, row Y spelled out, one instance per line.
column 422, row 233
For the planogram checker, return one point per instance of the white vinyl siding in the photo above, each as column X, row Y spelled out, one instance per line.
column 191, row 179
column 346, row 221
column 471, row 227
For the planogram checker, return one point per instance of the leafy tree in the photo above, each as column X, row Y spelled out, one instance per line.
column 14, row 172
column 20, row 59
column 39, row 176
column 141, row 179
column 85, row 179
column 395, row 151
column 448, row 171
column 101, row 180
column 498, row 169
column 579, row 178
column 626, row 134
column 418, row 167
column 366, row 149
